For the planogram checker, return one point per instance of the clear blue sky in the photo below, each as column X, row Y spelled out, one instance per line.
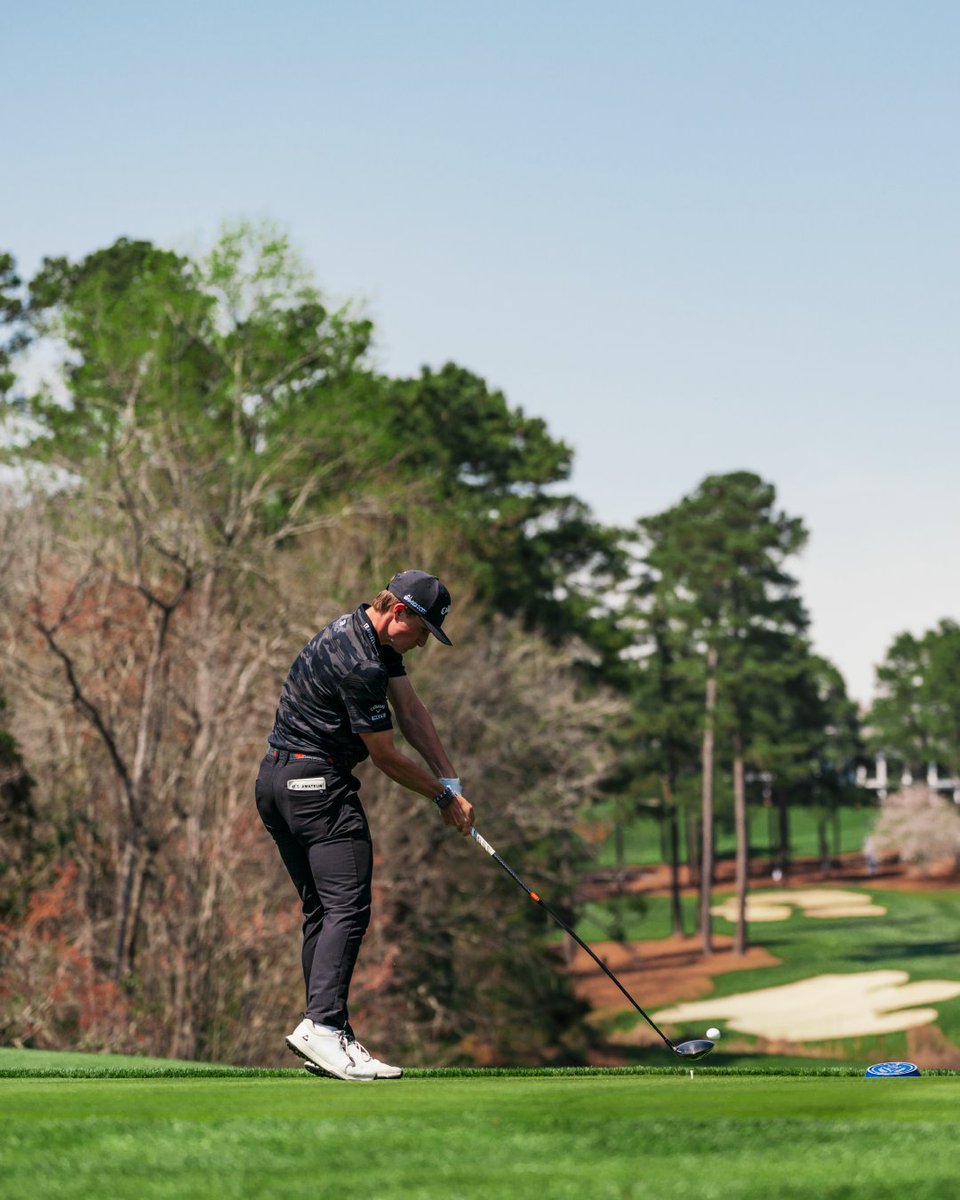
column 695, row 237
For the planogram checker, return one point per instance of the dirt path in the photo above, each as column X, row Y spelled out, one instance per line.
column 847, row 869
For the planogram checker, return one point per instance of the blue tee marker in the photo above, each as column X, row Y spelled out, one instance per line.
column 892, row 1070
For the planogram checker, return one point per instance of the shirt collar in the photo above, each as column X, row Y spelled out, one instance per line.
column 363, row 621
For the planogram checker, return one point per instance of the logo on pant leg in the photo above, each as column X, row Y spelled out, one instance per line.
column 316, row 784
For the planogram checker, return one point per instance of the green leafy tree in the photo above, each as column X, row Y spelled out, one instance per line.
column 491, row 473
column 717, row 560
column 214, row 414
column 916, row 717
column 658, row 748
column 11, row 313
column 227, row 387
column 812, row 751
column 205, row 418
column 226, row 461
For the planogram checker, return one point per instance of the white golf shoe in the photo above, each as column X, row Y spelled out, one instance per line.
column 330, row 1051
column 361, row 1055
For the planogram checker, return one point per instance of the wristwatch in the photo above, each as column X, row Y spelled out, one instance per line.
column 445, row 798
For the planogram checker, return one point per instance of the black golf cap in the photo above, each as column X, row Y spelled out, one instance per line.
column 427, row 596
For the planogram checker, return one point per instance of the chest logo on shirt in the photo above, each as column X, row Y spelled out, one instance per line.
column 315, row 784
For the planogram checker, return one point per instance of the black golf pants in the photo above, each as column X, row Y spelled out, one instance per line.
column 315, row 817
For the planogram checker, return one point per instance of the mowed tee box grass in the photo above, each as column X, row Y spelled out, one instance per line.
column 544, row 1134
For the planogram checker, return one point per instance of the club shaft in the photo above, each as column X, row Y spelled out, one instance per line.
column 485, row 845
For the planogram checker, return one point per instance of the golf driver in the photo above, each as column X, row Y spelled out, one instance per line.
column 692, row 1050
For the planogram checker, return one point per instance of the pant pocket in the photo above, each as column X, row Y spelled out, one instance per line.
column 310, row 783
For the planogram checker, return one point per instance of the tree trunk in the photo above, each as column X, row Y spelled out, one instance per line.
column 823, row 843
column 693, row 848
column 129, row 867
column 676, row 911
column 619, row 853
column 743, row 846
column 783, row 848
column 140, row 792
column 706, row 870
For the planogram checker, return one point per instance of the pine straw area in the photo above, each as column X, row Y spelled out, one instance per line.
column 660, row 971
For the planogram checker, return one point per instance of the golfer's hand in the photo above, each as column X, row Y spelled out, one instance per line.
column 459, row 814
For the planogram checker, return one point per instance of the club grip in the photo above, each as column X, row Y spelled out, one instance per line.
column 482, row 842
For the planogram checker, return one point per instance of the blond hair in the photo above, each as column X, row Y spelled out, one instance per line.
column 384, row 602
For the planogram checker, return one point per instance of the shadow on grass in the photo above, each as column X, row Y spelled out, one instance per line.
column 899, row 951
column 649, row 1057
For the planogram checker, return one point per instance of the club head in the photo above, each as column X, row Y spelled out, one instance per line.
column 697, row 1048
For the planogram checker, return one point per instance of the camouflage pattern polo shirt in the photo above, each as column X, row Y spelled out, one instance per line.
column 335, row 690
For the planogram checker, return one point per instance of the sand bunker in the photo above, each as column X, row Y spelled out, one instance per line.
column 824, row 1007
column 820, row 902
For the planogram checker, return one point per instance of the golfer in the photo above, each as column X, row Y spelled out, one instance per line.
column 334, row 711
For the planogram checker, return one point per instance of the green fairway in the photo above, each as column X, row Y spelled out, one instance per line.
column 581, row 1134
column 917, row 934
column 644, row 845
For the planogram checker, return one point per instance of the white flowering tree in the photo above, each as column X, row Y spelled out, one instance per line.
column 919, row 826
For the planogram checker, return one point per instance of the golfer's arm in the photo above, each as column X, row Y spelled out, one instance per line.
column 397, row 766
column 417, row 726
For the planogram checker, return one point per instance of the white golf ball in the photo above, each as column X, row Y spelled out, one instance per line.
column 713, row 1034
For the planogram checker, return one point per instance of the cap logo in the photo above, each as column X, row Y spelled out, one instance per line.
column 408, row 599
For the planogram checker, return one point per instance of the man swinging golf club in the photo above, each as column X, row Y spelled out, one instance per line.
column 334, row 711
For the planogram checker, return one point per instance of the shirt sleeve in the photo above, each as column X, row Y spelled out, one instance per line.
column 364, row 693
column 392, row 661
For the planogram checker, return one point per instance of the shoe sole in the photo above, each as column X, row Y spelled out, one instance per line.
column 317, row 1069
column 311, row 1066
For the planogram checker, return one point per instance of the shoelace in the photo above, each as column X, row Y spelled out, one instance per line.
column 346, row 1044
column 365, row 1054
